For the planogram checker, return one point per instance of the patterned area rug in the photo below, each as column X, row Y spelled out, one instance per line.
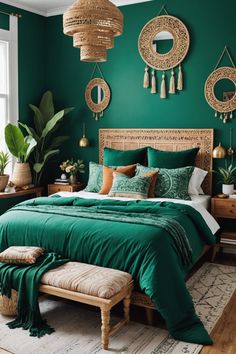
column 78, row 328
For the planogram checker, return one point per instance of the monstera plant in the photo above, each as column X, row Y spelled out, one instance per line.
column 46, row 122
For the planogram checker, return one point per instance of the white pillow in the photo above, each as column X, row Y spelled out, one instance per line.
column 196, row 180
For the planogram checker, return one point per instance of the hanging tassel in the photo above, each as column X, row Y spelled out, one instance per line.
column 146, row 78
column 216, row 115
column 163, row 86
column 231, row 115
column 172, row 82
column 180, row 84
column 154, row 82
column 221, row 116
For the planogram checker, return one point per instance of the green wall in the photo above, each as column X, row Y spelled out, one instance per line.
column 47, row 60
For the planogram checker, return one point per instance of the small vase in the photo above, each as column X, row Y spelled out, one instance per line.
column 21, row 174
column 228, row 189
column 3, row 182
column 73, row 179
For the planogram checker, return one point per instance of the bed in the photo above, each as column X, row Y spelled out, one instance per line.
column 127, row 234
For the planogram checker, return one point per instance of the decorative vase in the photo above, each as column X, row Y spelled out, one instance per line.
column 21, row 174
column 228, row 189
column 3, row 182
column 73, row 179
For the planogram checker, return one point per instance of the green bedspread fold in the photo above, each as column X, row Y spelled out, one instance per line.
column 26, row 280
column 155, row 242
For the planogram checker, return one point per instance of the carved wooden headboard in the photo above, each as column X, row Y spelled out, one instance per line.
column 163, row 139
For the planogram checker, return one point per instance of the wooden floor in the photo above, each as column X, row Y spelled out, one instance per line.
column 224, row 332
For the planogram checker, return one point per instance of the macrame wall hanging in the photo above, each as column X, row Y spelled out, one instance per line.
column 220, row 89
column 97, row 94
column 156, row 36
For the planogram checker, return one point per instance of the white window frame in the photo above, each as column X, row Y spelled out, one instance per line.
column 11, row 37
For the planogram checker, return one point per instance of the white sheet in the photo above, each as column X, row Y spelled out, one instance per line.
column 198, row 202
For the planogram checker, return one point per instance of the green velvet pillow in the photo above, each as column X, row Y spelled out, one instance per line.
column 136, row 187
column 171, row 183
column 95, row 178
column 171, row 159
column 124, row 157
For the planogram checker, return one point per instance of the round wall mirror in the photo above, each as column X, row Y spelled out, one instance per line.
column 97, row 95
column 163, row 42
column 216, row 86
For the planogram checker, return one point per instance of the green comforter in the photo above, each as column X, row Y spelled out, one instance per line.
column 155, row 242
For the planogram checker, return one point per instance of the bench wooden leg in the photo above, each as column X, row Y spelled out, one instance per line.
column 126, row 302
column 149, row 316
column 105, row 315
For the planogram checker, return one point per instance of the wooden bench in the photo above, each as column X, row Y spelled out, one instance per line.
column 88, row 284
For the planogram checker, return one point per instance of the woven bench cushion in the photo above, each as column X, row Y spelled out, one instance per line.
column 87, row 279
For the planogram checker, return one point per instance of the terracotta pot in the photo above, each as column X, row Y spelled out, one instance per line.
column 3, row 182
column 21, row 174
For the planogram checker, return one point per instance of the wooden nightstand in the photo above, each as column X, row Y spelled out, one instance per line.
column 224, row 210
column 55, row 188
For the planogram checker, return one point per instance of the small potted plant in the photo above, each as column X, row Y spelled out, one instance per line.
column 72, row 168
column 21, row 147
column 4, row 161
column 227, row 178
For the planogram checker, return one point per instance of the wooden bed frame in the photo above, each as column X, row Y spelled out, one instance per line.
column 163, row 139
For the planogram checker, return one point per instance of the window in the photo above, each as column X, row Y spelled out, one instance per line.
column 8, row 79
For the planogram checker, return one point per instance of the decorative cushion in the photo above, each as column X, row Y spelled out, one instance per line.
column 154, row 176
column 95, row 178
column 136, row 187
column 196, row 180
column 87, row 279
column 108, row 176
column 21, row 254
column 114, row 157
column 171, row 159
column 172, row 183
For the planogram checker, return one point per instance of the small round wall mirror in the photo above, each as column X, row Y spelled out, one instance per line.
column 97, row 96
column 163, row 42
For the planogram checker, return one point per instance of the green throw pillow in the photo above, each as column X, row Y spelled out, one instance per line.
column 171, row 159
column 136, row 187
column 124, row 157
column 95, row 178
column 171, row 183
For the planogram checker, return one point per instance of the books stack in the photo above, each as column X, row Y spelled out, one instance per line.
column 65, row 182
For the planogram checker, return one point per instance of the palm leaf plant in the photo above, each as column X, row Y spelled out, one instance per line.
column 46, row 122
column 4, row 161
column 227, row 174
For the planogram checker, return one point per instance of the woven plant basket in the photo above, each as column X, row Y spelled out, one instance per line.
column 22, row 174
column 3, row 182
column 8, row 306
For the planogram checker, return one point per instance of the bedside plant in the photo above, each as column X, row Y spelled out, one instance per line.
column 4, row 161
column 71, row 167
column 21, row 147
column 227, row 178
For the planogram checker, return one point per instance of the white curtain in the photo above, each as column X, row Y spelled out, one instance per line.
column 8, row 79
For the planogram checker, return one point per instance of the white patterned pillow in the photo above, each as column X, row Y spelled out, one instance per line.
column 21, row 254
column 136, row 187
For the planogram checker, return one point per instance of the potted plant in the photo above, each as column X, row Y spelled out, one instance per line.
column 4, row 161
column 21, row 147
column 227, row 178
column 71, row 167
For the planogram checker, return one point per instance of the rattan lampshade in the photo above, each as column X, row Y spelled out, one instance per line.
column 93, row 25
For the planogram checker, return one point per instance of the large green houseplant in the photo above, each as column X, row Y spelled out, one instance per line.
column 21, row 147
column 46, row 122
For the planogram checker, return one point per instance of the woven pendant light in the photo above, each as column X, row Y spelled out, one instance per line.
column 93, row 25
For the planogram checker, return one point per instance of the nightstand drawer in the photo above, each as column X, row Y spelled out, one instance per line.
column 55, row 188
column 225, row 208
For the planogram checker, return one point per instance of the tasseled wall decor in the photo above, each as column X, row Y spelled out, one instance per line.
column 162, row 62
column 225, row 105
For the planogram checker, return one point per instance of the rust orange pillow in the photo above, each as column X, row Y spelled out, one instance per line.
column 154, row 175
column 108, row 176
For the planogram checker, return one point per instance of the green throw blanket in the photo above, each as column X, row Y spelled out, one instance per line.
column 157, row 243
column 26, row 280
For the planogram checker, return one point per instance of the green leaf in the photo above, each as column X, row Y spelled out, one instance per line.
column 39, row 166
column 46, row 106
column 38, row 119
column 30, row 131
column 53, row 121
column 31, row 143
column 56, row 142
column 14, row 140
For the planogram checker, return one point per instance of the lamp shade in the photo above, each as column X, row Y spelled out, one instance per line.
column 84, row 142
column 93, row 25
column 219, row 152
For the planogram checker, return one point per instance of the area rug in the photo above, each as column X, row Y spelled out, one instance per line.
column 78, row 328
